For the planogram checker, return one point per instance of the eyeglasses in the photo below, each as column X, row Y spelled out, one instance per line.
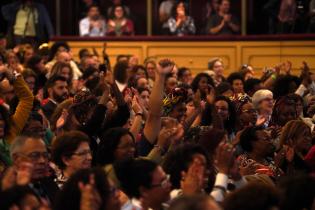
column 164, row 184
column 34, row 156
column 83, row 153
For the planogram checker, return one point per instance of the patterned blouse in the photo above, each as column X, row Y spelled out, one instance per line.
column 268, row 166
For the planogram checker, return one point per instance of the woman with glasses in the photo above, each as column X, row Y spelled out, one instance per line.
column 71, row 152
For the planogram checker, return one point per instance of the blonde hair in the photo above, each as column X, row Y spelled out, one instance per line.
column 292, row 130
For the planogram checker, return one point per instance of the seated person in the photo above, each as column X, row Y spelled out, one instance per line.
column 110, row 13
column 223, row 22
column 181, row 24
column 120, row 24
column 93, row 24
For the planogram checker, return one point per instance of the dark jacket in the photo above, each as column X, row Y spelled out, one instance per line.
column 43, row 26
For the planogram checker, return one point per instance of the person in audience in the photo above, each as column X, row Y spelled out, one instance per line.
column 38, row 28
column 223, row 23
column 216, row 65
column 226, row 111
column 31, row 153
column 110, row 10
column 93, row 25
column 120, row 24
column 258, row 147
column 60, row 51
column 180, row 23
column 296, row 141
column 184, row 75
column 57, row 92
column 165, row 12
column 71, row 152
column 63, row 70
column 237, row 82
column 88, row 189
column 263, row 103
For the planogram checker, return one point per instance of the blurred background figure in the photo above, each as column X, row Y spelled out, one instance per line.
column 28, row 21
column 93, row 24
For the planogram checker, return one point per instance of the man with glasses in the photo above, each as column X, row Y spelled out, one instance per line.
column 32, row 149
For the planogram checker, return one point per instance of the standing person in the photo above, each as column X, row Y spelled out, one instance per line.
column 93, row 24
column 223, row 22
column 119, row 24
column 28, row 21
column 181, row 24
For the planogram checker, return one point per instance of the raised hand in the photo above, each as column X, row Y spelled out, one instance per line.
column 62, row 119
column 165, row 136
column 192, row 181
column 210, row 95
column 305, row 75
column 224, row 157
column 261, row 120
column 90, row 197
column 165, row 66
column 24, row 173
column 136, row 106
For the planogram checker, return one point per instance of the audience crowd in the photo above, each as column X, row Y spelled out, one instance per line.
column 83, row 134
column 88, row 135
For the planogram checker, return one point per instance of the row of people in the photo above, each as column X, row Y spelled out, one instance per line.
column 161, row 137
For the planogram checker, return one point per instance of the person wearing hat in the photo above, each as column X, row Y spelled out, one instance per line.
column 263, row 102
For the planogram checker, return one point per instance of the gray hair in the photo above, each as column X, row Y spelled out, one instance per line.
column 17, row 144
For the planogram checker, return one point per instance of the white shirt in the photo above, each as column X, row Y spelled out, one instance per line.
column 85, row 29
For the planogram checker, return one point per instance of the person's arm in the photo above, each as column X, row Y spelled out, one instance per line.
column 153, row 122
column 137, row 121
column 223, row 160
column 216, row 29
column 95, row 122
column 122, row 114
column 84, row 27
column 24, row 107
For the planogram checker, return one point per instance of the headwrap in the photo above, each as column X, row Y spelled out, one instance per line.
column 83, row 102
column 178, row 95
column 239, row 100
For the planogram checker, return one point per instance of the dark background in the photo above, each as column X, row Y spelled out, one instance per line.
column 71, row 11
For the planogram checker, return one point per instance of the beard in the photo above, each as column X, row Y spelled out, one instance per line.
column 91, row 84
column 60, row 98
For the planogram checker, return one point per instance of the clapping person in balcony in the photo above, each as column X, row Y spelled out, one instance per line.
column 119, row 24
column 181, row 24
column 94, row 24
column 223, row 22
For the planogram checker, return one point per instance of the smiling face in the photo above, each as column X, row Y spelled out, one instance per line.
column 222, row 108
column 80, row 159
column 160, row 189
column 125, row 148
